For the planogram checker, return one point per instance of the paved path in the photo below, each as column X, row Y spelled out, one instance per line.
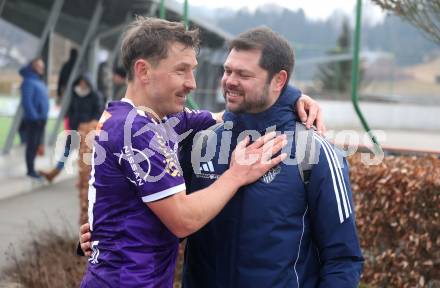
column 56, row 205
column 13, row 179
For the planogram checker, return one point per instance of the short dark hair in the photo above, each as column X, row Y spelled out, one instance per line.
column 149, row 38
column 276, row 52
column 120, row 71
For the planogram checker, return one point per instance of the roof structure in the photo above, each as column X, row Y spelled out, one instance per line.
column 75, row 15
column 94, row 24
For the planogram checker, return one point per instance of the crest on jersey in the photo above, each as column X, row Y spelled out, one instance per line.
column 271, row 174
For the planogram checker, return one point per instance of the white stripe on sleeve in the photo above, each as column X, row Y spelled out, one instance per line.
column 335, row 188
column 164, row 193
column 342, row 177
column 337, row 169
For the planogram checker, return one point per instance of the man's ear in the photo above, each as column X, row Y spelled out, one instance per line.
column 142, row 70
column 279, row 80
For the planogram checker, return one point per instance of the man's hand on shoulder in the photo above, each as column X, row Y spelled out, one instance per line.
column 310, row 113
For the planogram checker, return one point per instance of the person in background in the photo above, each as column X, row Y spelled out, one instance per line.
column 104, row 83
column 65, row 72
column 35, row 102
column 84, row 107
column 63, row 80
column 119, row 83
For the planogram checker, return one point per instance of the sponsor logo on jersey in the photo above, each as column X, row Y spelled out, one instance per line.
column 206, row 171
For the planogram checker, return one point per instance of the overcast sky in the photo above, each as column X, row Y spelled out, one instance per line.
column 315, row 9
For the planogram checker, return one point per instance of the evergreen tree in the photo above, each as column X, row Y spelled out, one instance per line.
column 336, row 75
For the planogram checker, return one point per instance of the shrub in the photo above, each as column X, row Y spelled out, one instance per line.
column 397, row 214
column 48, row 261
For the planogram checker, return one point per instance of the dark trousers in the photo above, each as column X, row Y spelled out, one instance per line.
column 22, row 131
column 34, row 137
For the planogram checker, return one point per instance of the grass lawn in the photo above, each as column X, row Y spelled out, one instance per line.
column 5, row 124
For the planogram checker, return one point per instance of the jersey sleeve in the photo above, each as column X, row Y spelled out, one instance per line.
column 194, row 121
column 332, row 218
column 150, row 162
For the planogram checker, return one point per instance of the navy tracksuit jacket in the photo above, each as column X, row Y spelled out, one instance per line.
column 276, row 232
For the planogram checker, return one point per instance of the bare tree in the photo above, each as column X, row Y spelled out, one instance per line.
column 424, row 14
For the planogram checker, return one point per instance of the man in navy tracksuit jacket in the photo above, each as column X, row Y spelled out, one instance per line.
column 278, row 231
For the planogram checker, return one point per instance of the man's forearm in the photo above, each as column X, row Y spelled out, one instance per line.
column 193, row 211
column 200, row 207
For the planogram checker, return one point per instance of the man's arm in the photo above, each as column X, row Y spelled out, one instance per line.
column 307, row 109
column 333, row 220
column 195, row 121
column 310, row 113
column 185, row 214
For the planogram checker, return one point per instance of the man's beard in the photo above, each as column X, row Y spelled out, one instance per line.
column 255, row 106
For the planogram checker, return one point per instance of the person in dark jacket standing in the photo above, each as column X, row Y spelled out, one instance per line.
column 119, row 79
column 63, row 80
column 104, row 82
column 65, row 72
column 84, row 107
column 35, row 102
